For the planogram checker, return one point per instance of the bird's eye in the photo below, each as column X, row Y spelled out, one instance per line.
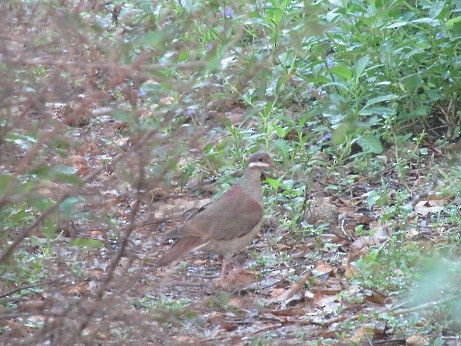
column 260, row 159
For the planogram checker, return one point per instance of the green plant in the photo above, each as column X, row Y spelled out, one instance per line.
column 388, row 268
column 167, row 310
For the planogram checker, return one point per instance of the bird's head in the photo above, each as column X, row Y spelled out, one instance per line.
column 260, row 161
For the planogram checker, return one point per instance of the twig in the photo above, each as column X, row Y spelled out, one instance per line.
column 421, row 307
column 26, row 288
column 295, row 288
column 140, row 182
column 25, row 233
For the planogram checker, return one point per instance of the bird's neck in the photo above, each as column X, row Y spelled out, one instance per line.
column 251, row 183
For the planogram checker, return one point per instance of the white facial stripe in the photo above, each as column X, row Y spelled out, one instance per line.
column 259, row 164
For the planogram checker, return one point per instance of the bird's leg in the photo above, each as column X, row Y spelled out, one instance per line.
column 223, row 271
column 225, row 266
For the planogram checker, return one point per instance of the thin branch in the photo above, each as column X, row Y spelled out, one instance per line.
column 26, row 288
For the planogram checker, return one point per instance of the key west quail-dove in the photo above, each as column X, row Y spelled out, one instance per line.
column 228, row 224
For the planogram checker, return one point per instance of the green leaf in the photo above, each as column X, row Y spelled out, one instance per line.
column 412, row 82
column 274, row 183
column 379, row 99
column 360, row 66
column 288, row 184
column 430, row 21
column 370, row 144
column 377, row 198
column 380, row 110
column 338, row 85
column 18, row 216
column 342, row 71
column 435, row 10
column 451, row 22
column 87, row 243
column 67, row 174
column 257, row 21
column 183, row 56
column 396, row 25
column 340, row 134
column 434, row 94
column 152, row 39
column 41, row 203
column 420, row 111
column 23, row 141
column 49, row 227
column 403, row 138
column 4, row 182
column 282, row 146
column 67, row 206
column 122, row 116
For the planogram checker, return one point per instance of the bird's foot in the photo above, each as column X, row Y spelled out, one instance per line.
column 237, row 279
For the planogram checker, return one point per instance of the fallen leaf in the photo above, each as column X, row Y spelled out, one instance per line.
column 417, row 340
column 239, row 278
column 294, row 289
column 430, row 206
column 322, row 210
column 96, row 274
column 322, row 269
column 79, row 289
column 289, row 312
column 166, row 100
column 375, row 297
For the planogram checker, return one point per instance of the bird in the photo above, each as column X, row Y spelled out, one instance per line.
column 228, row 224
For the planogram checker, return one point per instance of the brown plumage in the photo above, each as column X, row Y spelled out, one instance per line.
column 228, row 224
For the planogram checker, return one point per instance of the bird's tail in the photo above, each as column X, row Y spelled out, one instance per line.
column 180, row 249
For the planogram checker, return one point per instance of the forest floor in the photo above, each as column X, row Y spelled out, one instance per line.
column 298, row 287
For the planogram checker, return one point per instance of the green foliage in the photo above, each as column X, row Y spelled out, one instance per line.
column 87, row 243
column 436, row 275
column 167, row 310
column 388, row 268
column 219, row 302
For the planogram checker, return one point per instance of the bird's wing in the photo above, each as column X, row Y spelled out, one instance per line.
column 230, row 217
column 178, row 232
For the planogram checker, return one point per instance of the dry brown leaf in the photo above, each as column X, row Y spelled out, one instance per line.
column 32, row 305
column 229, row 326
column 361, row 246
column 239, row 278
column 417, row 340
column 323, row 268
column 375, row 297
column 322, row 210
column 184, row 340
column 331, row 238
column 97, row 235
column 90, row 148
column 215, row 317
column 166, row 100
column 277, row 292
column 79, row 289
column 290, row 312
column 15, row 329
column 234, row 118
column 350, row 270
column 96, row 274
column 79, row 162
column 358, row 335
column 431, row 206
column 295, row 288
